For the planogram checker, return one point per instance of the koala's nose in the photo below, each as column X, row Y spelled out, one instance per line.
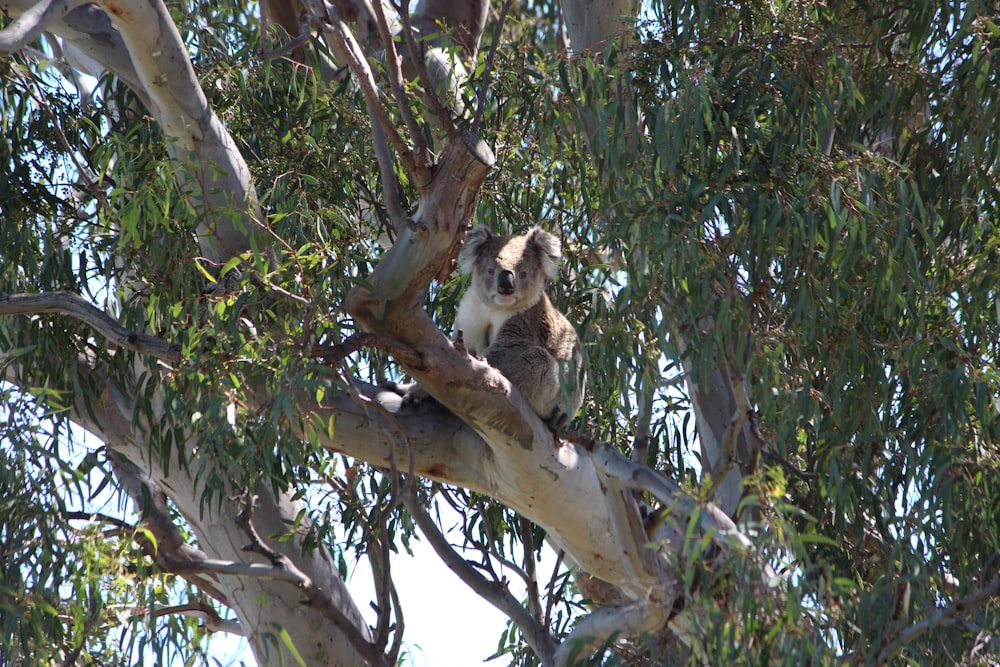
column 505, row 282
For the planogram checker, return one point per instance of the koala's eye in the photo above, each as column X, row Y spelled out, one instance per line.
column 491, row 271
column 522, row 275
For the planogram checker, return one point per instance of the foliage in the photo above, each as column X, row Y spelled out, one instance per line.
column 813, row 186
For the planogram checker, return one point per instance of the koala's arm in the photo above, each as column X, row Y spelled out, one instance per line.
column 539, row 352
column 533, row 370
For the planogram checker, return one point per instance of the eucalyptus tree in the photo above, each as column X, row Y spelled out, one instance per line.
column 778, row 223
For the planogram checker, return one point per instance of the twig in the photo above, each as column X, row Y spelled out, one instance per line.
column 487, row 73
column 75, row 306
column 534, row 633
column 531, row 572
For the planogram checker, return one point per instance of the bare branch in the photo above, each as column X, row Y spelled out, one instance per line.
column 75, row 306
column 170, row 547
column 430, row 86
column 393, row 67
column 610, row 462
column 209, row 616
column 27, row 27
column 949, row 615
column 608, row 622
column 534, row 633
column 350, row 52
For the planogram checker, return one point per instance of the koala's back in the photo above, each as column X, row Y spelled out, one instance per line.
column 540, row 353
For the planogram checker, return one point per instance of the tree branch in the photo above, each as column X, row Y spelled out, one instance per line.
column 73, row 305
column 609, row 622
column 534, row 633
column 284, row 569
column 209, row 616
column 27, row 27
column 948, row 615
column 727, row 456
column 350, row 52
column 393, row 68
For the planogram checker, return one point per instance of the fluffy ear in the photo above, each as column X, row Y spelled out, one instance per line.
column 474, row 242
column 548, row 248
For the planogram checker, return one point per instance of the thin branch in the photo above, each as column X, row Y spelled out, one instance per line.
column 949, row 615
column 209, row 616
column 283, row 569
column 334, row 354
column 530, row 571
column 534, row 633
column 385, row 592
column 417, row 59
column 488, row 72
column 75, row 306
column 390, row 184
column 393, row 67
column 550, row 593
column 169, row 548
column 351, row 53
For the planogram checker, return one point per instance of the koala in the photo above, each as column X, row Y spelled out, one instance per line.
column 506, row 317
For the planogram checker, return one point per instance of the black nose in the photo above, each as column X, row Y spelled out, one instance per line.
column 505, row 282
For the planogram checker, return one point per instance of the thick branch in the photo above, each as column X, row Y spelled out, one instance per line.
column 608, row 622
column 177, row 101
column 27, row 27
column 73, row 305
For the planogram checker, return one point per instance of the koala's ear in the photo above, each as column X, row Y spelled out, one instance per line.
column 474, row 242
column 549, row 250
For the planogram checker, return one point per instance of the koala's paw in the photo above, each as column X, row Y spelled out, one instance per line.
column 557, row 421
column 413, row 394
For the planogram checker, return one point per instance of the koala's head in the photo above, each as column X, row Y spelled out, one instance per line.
column 509, row 272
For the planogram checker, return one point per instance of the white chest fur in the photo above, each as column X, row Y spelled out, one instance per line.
column 478, row 322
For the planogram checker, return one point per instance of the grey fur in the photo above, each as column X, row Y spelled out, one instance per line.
column 506, row 317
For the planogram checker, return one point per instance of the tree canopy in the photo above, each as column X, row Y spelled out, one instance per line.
column 227, row 228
